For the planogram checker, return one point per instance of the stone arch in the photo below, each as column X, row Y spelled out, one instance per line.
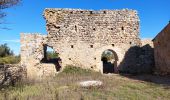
column 109, row 59
column 114, row 53
column 118, row 53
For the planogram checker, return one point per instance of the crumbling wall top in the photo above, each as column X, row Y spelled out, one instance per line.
column 69, row 11
column 32, row 34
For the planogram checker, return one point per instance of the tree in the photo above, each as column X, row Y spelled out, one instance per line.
column 6, row 4
column 7, row 56
column 5, row 51
column 108, row 55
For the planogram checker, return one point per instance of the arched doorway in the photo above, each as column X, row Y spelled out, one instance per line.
column 109, row 60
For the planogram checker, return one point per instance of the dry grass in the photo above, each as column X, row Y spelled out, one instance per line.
column 64, row 87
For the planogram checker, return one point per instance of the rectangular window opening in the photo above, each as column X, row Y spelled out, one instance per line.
column 72, row 46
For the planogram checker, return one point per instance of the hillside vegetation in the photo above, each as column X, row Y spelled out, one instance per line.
column 7, row 56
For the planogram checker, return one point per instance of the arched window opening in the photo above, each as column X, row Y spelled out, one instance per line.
column 51, row 56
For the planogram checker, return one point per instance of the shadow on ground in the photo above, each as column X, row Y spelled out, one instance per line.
column 161, row 80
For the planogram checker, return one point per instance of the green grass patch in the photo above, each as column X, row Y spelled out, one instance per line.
column 10, row 60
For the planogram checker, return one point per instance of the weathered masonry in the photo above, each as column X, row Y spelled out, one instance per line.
column 81, row 37
column 162, row 51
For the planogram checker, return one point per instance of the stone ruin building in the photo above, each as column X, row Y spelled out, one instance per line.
column 80, row 37
column 162, row 51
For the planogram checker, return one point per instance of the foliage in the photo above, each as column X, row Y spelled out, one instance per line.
column 7, row 55
column 10, row 60
column 5, row 50
column 76, row 70
column 108, row 54
column 51, row 55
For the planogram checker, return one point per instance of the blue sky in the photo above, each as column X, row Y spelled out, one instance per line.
column 27, row 17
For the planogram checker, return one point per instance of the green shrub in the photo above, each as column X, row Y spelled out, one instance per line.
column 7, row 55
column 10, row 60
column 77, row 70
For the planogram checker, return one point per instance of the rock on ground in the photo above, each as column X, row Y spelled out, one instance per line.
column 91, row 83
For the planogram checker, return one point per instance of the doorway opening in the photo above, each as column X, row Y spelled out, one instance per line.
column 51, row 56
column 109, row 59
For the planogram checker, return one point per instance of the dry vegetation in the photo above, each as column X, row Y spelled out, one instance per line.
column 65, row 87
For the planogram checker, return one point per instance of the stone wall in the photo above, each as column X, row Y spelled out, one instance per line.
column 32, row 47
column 162, row 51
column 139, row 59
column 10, row 74
column 81, row 36
column 147, row 41
column 32, row 52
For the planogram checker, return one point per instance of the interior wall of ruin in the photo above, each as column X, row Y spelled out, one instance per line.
column 162, row 51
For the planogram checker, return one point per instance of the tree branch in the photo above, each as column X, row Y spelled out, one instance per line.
column 8, row 3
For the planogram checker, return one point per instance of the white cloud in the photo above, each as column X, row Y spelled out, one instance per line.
column 15, row 41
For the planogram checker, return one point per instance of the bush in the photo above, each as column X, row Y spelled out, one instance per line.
column 5, row 50
column 7, row 55
column 10, row 60
column 77, row 70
